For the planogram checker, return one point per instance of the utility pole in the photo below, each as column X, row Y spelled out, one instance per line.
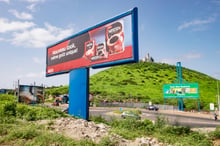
column 218, row 98
column 18, row 90
column 34, row 96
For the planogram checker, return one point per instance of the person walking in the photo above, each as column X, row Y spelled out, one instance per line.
column 216, row 114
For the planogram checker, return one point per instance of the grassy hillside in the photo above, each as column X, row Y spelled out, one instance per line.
column 144, row 82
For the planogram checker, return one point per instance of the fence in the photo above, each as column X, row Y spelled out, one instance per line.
column 135, row 105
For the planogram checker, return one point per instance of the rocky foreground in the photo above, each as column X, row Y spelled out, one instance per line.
column 81, row 129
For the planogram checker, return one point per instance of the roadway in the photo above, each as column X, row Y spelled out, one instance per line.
column 193, row 120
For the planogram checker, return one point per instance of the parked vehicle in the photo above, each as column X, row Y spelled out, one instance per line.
column 56, row 103
column 130, row 114
column 153, row 107
column 62, row 99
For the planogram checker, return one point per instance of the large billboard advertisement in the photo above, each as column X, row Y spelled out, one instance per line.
column 30, row 94
column 189, row 90
column 111, row 42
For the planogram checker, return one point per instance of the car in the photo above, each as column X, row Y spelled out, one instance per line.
column 130, row 114
column 62, row 99
column 153, row 107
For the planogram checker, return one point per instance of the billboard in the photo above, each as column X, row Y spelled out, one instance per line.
column 3, row 91
column 112, row 42
column 189, row 90
column 30, row 94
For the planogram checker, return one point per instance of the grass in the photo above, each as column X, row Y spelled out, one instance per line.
column 175, row 135
column 17, row 129
column 144, row 82
column 17, row 126
column 121, row 111
column 30, row 134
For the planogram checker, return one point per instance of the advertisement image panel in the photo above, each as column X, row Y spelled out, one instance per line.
column 30, row 94
column 108, row 42
column 189, row 90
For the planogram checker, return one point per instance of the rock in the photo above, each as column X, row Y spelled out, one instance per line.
column 101, row 126
column 81, row 129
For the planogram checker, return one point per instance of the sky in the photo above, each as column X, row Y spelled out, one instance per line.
column 187, row 31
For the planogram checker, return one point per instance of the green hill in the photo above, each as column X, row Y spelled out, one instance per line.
column 144, row 82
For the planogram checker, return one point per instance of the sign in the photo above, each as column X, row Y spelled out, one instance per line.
column 212, row 107
column 112, row 42
column 189, row 90
column 30, row 94
column 3, row 91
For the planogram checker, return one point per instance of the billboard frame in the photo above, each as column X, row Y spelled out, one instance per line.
column 181, row 96
column 34, row 94
column 134, row 40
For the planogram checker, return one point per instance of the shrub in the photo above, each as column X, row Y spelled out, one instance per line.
column 177, row 130
column 98, row 119
column 106, row 141
column 9, row 109
column 160, row 122
column 6, row 97
column 21, row 110
column 131, row 128
column 28, row 132
column 3, row 129
column 31, row 115
column 199, row 139
column 215, row 134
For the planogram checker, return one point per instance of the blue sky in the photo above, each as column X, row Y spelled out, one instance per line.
column 171, row 31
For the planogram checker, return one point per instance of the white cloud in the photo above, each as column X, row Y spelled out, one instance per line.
column 38, row 60
column 191, row 56
column 196, row 23
column 169, row 61
column 22, row 15
column 33, row 1
column 3, row 39
column 7, row 26
column 40, row 37
column 35, row 75
column 31, row 7
column 216, row 2
column 5, row 1
column 188, row 57
column 217, row 75
column 32, row 75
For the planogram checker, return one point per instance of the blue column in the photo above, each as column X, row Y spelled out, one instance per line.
column 79, row 93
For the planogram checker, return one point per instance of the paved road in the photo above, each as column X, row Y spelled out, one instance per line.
column 173, row 117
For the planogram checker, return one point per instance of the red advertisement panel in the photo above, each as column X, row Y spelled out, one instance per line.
column 108, row 43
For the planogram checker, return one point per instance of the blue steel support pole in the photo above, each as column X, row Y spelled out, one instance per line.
column 181, row 81
column 177, row 79
column 79, row 93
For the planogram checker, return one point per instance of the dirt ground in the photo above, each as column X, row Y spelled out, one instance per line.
column 81, row 129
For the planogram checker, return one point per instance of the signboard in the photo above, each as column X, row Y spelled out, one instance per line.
column 112, row 42
column 30, row 94
column 3, row 91
column 189, row 90
column 212, row 106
